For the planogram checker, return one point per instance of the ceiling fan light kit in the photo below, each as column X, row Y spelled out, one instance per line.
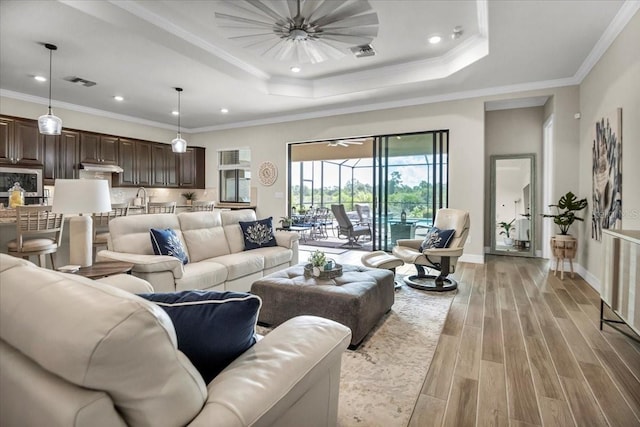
column 49, row 124
column 305, row 31
column 178, row 144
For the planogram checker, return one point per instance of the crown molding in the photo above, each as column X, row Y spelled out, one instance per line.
column 82, row 109
column 622, row 18
column 409, row 102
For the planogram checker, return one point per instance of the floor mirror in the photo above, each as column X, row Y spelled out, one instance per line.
column 512, row 204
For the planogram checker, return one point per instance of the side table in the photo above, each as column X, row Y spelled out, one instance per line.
column 105, row 269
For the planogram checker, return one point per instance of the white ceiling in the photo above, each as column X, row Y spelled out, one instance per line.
column 143, row 49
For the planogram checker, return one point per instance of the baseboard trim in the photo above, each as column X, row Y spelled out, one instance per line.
column 588, row 277
column 472, row 258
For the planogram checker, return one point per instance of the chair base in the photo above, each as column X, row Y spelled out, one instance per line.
column 351, row 244
column 431, row 283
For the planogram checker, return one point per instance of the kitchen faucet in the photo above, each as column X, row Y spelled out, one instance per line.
column 145, row 201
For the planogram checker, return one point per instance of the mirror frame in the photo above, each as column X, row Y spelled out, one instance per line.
column 531, row 252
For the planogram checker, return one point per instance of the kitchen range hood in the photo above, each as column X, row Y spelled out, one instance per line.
column 96, row 167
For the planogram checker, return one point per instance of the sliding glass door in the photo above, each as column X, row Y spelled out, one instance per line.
column 410, row 184
column 403, row 178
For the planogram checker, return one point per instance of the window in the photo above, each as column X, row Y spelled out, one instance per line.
column 235, row 175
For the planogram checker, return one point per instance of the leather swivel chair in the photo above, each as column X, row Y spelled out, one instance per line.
column 443, row 260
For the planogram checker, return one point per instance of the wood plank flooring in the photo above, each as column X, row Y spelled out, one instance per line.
column 520, row 347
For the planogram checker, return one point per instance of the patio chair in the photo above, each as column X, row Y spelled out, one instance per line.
column 347, row 228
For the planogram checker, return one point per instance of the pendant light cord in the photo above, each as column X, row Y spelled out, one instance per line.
column 50, row 62
column 179, row 112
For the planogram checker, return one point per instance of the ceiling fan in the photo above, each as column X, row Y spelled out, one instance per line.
column 346, row 142
column 299, row 30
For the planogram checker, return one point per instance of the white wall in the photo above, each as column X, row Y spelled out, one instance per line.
column 613, row 83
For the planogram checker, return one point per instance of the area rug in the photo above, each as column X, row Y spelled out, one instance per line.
column 382, row 378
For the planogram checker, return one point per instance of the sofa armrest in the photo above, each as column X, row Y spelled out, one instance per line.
column 261, row 385
column 127, row 282
column 286, row 238
column 145, row 263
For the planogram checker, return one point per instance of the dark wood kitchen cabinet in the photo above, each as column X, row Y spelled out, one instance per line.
column 20, row 142
column 164, row 166
column 191, row 168
column 96, row 148
column 60, row 154
column 135, row 160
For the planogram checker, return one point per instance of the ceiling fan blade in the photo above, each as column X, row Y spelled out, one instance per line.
column 240, row 19
column 355, row 21
column 345, row 11
column 258, row 4
column 342, row 144
column 322, row 9
column 348, row 40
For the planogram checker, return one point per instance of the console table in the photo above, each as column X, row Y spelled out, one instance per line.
column 621, row 278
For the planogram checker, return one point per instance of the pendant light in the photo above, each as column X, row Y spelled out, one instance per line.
column 179, row 145
column 49, row 124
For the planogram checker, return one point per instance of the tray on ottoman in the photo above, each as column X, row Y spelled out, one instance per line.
column 357, row 299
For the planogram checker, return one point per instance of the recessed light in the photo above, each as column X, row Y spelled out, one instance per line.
column 295, row 69
column 224, row 110
column 118, row 98
column 40, row 78
column 435, row 39
column 175, row 112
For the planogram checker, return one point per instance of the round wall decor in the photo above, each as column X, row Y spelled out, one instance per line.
column 267, row 173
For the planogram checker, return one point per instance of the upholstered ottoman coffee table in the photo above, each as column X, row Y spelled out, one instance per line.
column 357, row 299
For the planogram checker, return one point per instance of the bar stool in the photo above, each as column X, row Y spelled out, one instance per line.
column 38, row 232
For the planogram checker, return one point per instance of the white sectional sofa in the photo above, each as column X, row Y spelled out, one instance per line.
column 78, row 352
column 213, row 242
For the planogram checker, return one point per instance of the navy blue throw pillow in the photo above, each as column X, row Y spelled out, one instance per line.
column 167, row 242
column 437, row 239
column 258, row 234
column 213, row 328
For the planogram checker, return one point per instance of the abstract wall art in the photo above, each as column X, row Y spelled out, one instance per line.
column 607, row 174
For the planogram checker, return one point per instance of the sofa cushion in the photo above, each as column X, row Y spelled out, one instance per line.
column 241, row 264
column 203, row 234
column 274, row 256
column 100, row 338
column 213, row 328
column 130, row 234
column 166, row 242
column 258, row 234
column 202, row 275
column 437, row 239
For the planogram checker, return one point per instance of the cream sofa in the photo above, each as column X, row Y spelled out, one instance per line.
column 76, row 352
column 214, row 244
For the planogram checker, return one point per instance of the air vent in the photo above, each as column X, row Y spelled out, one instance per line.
column 363, row 51
column 80, row 81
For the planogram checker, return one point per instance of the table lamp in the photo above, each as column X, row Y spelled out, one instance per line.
column 81, row 196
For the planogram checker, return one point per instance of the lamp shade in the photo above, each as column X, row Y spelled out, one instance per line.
column 76, row 196
column 179, row 145
column 49, row 124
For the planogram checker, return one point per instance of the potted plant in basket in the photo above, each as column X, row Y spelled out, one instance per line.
column 506, row 231
column 565, row 215
column 189, row 196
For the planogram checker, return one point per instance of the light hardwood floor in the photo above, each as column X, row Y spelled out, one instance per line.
column 521, row 347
